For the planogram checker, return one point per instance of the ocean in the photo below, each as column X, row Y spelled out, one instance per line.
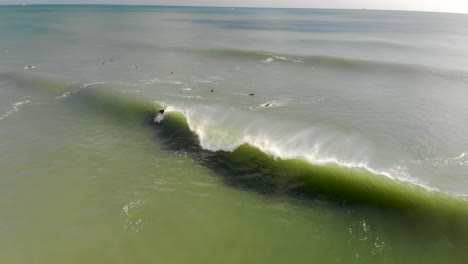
column 289, row 135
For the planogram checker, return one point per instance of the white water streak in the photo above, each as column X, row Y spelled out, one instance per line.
column 83, row 86
column 274, row 58
column 13, row 109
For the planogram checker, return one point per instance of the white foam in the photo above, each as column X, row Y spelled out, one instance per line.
column 315, row 155
column 13, row 109
column 198, row 80
column 65, row 94
column 149, row 81
column 271, row 104
column 272, row 59
column 156, row 80
column 218, row 78
column 89, row 84
column 268, row 60
column 83, row 86
column 185, row 96
column 132, row 205
column 172, row 82
column 462, row 155
column 440, row 162
column 288, row 59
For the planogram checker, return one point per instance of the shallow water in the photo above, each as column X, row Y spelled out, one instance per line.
column 352, row 150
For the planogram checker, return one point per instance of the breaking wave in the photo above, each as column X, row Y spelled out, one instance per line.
column 310, row 159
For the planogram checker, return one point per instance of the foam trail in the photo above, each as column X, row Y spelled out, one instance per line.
column 67, row 94
column 156, row 80
column 83, row 86
column 185, row 96
column 276, row 57
column 89, row 84
column 196, row 80
column 439, row 162
column 270, row 104
column 13, row 109
column 268, row 60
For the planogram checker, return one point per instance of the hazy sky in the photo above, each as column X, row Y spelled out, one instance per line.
column 458, row 6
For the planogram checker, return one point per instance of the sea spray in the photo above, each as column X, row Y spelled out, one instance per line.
column 227, row 130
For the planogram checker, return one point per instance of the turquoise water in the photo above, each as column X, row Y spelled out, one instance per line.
column 353, row 148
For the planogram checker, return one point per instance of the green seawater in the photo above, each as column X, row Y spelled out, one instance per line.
column 359, row 157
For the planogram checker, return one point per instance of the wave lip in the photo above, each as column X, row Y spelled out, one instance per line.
column 83, row 86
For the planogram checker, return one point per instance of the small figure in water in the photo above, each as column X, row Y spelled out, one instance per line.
column 159, row 117
column 172, row 73
column 212, row 90
column 251, row 94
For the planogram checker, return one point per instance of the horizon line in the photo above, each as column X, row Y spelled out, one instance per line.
column 242, row 7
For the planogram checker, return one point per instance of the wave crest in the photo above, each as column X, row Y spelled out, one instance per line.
column 15, row 107
column 315, row 145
